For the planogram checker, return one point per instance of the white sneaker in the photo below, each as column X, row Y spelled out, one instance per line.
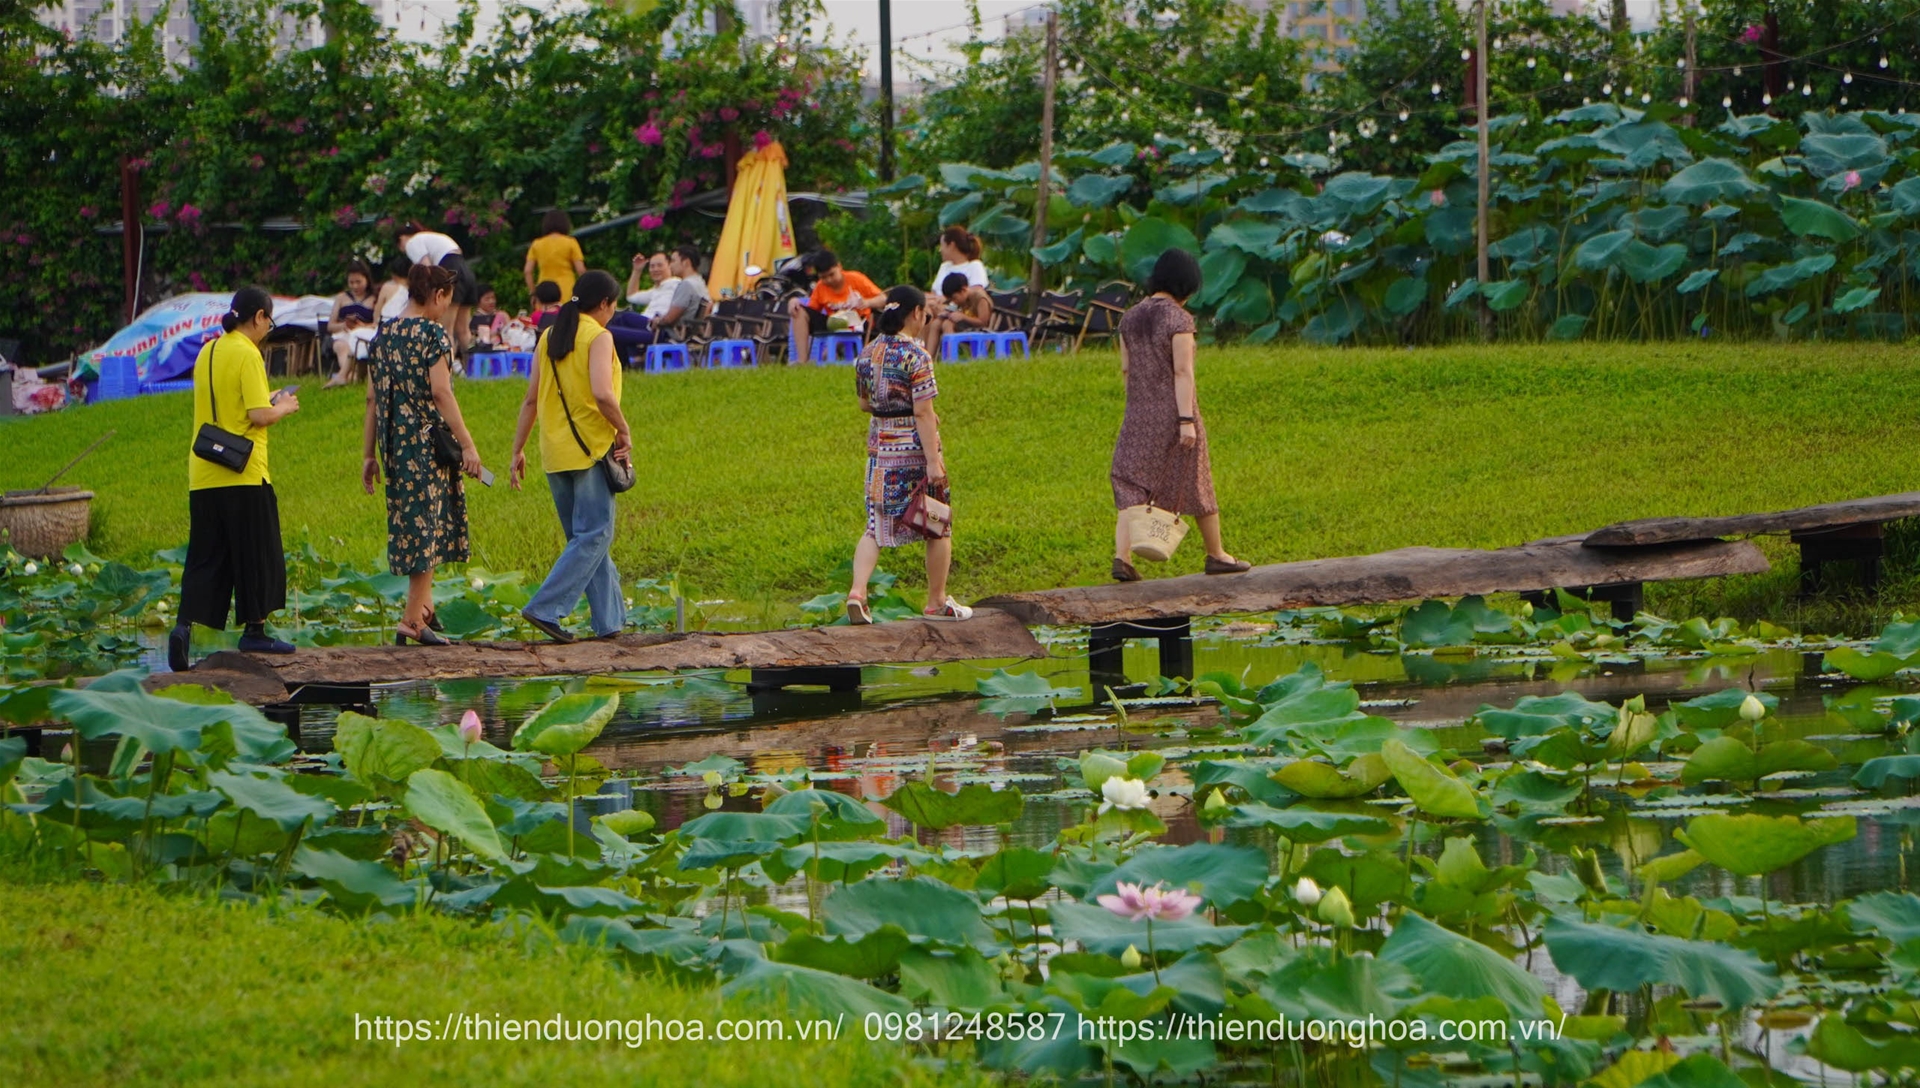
column 952, row 610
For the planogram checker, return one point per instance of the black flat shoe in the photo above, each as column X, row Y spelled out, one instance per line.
column 425, row 636
column 179, row 642
column 1230, row 566
column 1123, row 571
column 548, row 628
column 262, row 644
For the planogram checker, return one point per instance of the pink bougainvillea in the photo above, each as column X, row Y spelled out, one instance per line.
column 159, row 209
column 728, row 113
column 762, row 138
column 648, row 133
column 345, row 216
column 1752, row 34
column 651, row 221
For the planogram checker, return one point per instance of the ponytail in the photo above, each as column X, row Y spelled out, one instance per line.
column 902, row 301
column 247, row 303
column 962, row 239
column 427, row 280
column 591, row 291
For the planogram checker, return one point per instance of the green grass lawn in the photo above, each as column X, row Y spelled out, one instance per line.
column 117, row 985
column 750, row 480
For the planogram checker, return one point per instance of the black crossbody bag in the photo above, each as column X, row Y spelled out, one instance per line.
column 619, row 474
column 222, row 447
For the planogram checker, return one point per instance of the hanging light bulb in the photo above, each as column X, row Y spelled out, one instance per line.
column 1645, row 99
column 1629, row 92
column 1566, row 77
column 1736, row 70
column 1436, row 90
column 1789, row 84
column 1263, row 161
column 1848, row 78
column 1883, row 61
column 1586, row 101
column 1683, row 101
column 1726, row 101
column 1806, row 90
column 1393, row 137
column 1681, row 63
column 1499, row 43
column 1403, row 115
column 1197, row 112
column 1606, row 88
column 1843, row 100
column 1529, row 62
column 1766, row 99
column 1466, row 54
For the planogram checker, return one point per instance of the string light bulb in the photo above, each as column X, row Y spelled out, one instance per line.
column 1883, row 60
column 1566, row 77
column 1843, row 100
column 1848, row 78
column 1766, row 99
column 1263, row 161
column 1436, row 90
column 1789, row 84
column 1726, row 101
column 1403, row 115
column 1646, row 98
column 1681, row 63
column 1806, row 90
column 1529, row 62
column 1606, row 88
column 1683, row 101
column 1466, row 54
column 1736, row 71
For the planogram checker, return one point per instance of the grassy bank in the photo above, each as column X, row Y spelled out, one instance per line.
column 159, row 990
column 750, row 481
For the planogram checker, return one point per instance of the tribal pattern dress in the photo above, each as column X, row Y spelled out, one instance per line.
column 426, row 503
column 893, row 375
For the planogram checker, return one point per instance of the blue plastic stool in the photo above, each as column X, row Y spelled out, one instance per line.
column 664, row 357
column 119, row 378
column 976, row 344
column 516, row 362
column 733, row 353
column 181, row 385
column 1003, row 344
column 486, row 364
column 827, row 348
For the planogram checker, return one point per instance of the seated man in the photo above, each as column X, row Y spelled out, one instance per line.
column 656, row 300
column 836, row 291
column 686, row 301
column 969, row 309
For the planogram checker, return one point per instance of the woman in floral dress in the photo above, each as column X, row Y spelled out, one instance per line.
column 410, row 395
column 894, row 378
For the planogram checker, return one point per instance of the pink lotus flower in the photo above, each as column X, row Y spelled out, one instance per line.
column 1752, row 34
column 762, row 138
column 470, row 727
column 1853, row 179
column 648, row 134
column 651, row 221
column 1438, row 198
column 1156, row 903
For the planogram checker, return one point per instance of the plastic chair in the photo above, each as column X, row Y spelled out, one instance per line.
column 664, row 357
column 827, row 348
column 1003, row 342
column 976, row 344
column 119, row 378
column 731, row 353
column 179, row 385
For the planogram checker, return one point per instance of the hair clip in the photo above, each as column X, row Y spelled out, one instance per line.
column 890, row 306
column 573, row 298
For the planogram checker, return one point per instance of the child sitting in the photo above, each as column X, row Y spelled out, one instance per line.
column 969, row 309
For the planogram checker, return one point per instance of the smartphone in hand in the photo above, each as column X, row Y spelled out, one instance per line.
column 281, row 392
column 486, row 476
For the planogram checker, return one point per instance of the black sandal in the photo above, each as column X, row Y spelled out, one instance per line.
column 425, row 636
column 1123, row 571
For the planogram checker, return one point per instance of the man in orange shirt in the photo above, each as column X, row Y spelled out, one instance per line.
column 835, row 290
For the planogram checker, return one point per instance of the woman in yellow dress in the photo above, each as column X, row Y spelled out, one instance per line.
column 555, row 255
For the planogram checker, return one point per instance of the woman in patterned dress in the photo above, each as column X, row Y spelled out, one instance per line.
column 1161, row 456
column 411, row 393
column 894, row 378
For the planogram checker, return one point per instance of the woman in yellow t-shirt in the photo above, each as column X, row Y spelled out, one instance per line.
column 555, row 255
column 235, row 561
column 575, row 395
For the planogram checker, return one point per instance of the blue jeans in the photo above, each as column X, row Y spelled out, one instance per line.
column 585, row 506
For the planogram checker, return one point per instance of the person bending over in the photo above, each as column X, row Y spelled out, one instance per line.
column 837, row 291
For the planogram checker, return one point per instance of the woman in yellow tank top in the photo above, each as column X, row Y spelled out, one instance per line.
column 574, row 393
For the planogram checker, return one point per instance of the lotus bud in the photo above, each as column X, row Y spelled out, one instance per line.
column 470, row 727
column 711, row 778
column 1587, row 866
column 1216, row 802
column 160, row 606
column 1752, row 709
column 1130, row 959
column 76, row 570
column 1306, row 892
column 1336, row 909
column 478, row 583
column 31, row 567
column 712, row 801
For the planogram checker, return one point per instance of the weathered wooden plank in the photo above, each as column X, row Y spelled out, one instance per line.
column 988, row 635
column 1401, row 575
column 1832, row 515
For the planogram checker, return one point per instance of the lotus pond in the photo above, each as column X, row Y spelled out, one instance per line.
column 1639, row 852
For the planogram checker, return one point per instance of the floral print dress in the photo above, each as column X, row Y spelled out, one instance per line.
column 893, row 375
column 426, row 502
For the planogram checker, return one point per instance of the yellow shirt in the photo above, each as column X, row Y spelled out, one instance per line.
column 553, row 255
column 559, row 452
column 238, row 382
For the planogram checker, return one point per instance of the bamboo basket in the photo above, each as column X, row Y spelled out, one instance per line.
column 42, row 525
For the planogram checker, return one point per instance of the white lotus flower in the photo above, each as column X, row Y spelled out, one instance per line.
column 32, row 567
column 1306, row 892
column 1752, row 709
column 76, row 570
column 479, row 583
column 1122, row 793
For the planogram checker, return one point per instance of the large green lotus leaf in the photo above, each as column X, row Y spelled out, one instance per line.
column 1102, row 250
column 1097, row 190
column 1600, row 251
column 1813, row 218
column 1623, row 960
column 1864, row 666
column 1658, row 223
column 844, row 817
column 964, row 176
column 1220, row 270
column 874, row 955
column 271, row 799
column 1722, row 708
column 566, row 725
column 1436, row 623
column 1827, row 154
column 1753, row 845
column 1338, row 321
column 1874, row 772
column 962, row 979
column 1016, row 872
column 1534, row 790
column 767, row 827
column 1015, row 691
column 1306, row 825
column 1846, row 1046
column 1794, row 754
column 1450, row 229
column 1405, row 295
column 975, row 804
column 1051, row 255
column 1522, row 244
column 1098, row 929
column 925, row 909
column 1781, row 277
column 1116, row 154
column 770, row 983
column 1147, row 239
column 1568, row 327
column 382, row 752
column 1709, row 180
column 1899, row 638
column 1248, row 302
column 1322, row 781
column 444, row 803
column 1727, row 759
column 1447, row 963
column 1247, row 235
column 959, row 211
column 1857, row 298
column 837, row 862
column 1646, row 264
column 724, row 854
column 1536, row 715
column 1351, row 988
column 1361, row 193
column 1696, row 279
column 1223, row 875
column 1437, row 792
column 354, row 885
column 1904, row 197
column 490, row 777
column 1643, row 143
column 1893, row 915
column 1001, row 220
column 1504, row 295
column 161, row 725
column 1699, row 1071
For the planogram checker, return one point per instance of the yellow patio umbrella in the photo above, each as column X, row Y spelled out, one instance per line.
column 758, row 231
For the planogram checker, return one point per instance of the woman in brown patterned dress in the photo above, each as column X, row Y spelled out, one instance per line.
column 411, row 394
column 1161, row 456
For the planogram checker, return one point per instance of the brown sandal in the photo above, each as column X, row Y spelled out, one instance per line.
column 1123, row 571
column 1227, row 566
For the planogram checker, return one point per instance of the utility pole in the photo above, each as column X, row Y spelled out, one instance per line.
column 886, row 90
column 1481, row 107
column 1041, row 196
column 1689, row 86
